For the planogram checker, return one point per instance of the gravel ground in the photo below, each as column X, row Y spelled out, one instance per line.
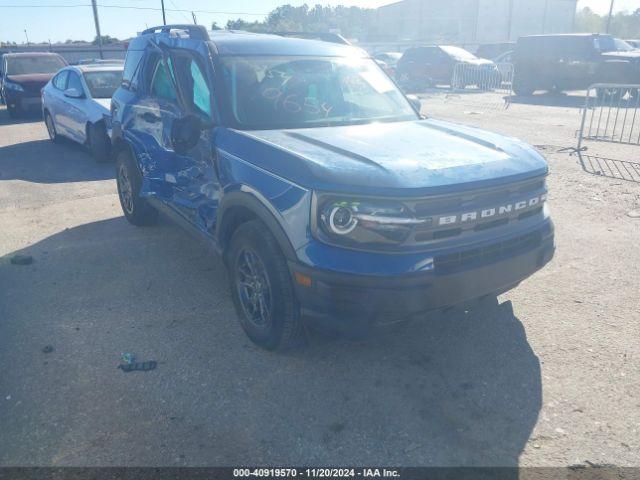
column 549, row 377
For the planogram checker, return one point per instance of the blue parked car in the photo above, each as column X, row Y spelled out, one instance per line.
column 326, row 192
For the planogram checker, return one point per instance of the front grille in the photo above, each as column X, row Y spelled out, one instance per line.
column 453, row 208
column 496, row 251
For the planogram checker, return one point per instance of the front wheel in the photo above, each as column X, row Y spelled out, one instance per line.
column 51, row 127
column 136, row 209
column 261, row 287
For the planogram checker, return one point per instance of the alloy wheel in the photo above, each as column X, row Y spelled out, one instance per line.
column 254, row 288
column 125, row 190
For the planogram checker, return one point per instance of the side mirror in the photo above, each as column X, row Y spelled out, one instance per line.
column 185, row 133
column 73, row 93
column 415, row 102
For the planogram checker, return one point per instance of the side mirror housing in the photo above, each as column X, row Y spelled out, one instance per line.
column 185, row 133
column 73, row 93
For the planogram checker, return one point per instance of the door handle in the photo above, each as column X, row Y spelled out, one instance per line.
column 150, row 117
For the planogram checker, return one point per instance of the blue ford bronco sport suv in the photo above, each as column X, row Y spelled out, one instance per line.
column 327, row 194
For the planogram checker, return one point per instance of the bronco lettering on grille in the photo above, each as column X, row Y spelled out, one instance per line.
column 498, row 211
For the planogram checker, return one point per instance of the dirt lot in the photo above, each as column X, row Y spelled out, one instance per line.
column 549, row 377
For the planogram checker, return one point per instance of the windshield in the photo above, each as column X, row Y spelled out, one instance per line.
column 622, row 46
column 31, row 65
column 298, row 92
column 609, row 44
column 458, row 53
column 103, row 84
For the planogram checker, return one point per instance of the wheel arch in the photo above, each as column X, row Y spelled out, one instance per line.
column 241, row 206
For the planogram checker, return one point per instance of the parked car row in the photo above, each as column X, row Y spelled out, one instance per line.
column 540, row 62
column 74, row 100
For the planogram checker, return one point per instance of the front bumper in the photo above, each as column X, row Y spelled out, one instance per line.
column 344, row 299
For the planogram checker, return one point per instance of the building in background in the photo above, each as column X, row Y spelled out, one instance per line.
column 472, row 22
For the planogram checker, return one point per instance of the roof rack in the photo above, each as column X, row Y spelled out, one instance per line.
column 196, row 32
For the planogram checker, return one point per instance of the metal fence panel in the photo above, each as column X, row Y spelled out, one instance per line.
column 483, row 85
column 611, row 114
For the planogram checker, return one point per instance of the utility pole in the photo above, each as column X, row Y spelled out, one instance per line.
column 164, row 17
column 26, row 36
column 195, row 22
column 94, row 4
column 609, row 17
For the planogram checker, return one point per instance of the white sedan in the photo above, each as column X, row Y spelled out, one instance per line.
column 76, row 104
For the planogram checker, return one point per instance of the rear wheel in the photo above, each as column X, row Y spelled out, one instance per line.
column 99, row 143
column 136, row 209
column 522, row 87
column 261, row 288
column 51, row 127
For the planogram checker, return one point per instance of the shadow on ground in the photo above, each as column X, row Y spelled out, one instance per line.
column 610, row 167
column 549, row 99
column 30, row 116
column 451, row 389
column 42, row 161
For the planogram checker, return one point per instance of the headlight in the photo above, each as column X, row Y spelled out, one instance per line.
column 362, row 222
column 13, row 86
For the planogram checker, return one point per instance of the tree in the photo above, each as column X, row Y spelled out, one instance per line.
column 106, row 39
column 623, row 24
column 349, row 21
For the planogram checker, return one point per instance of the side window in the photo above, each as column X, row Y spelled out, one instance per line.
column 60, row 82
column 201, row 93
column 131, row 63
column 161, row 83
column 75, row 82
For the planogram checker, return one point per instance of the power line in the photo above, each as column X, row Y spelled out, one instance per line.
column 131, row 7
column 181, row 13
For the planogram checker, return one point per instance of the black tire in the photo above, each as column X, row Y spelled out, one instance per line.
column 14, row 112
column 522, row 88
column 264, row 297
column 135, row 208
column 98, row 142
column 51, row 127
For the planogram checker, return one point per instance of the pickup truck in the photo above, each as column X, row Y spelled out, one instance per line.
column 326, row 192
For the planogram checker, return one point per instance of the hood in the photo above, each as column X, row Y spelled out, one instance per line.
column 628, row 55
column 397, row 158
column 31, row 82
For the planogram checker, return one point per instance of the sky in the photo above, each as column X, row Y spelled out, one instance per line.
column 58, row 20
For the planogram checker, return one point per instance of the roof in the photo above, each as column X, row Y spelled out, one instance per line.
column 31, row 54
column 553, row 35
column 234, row 42
column 99, row 67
